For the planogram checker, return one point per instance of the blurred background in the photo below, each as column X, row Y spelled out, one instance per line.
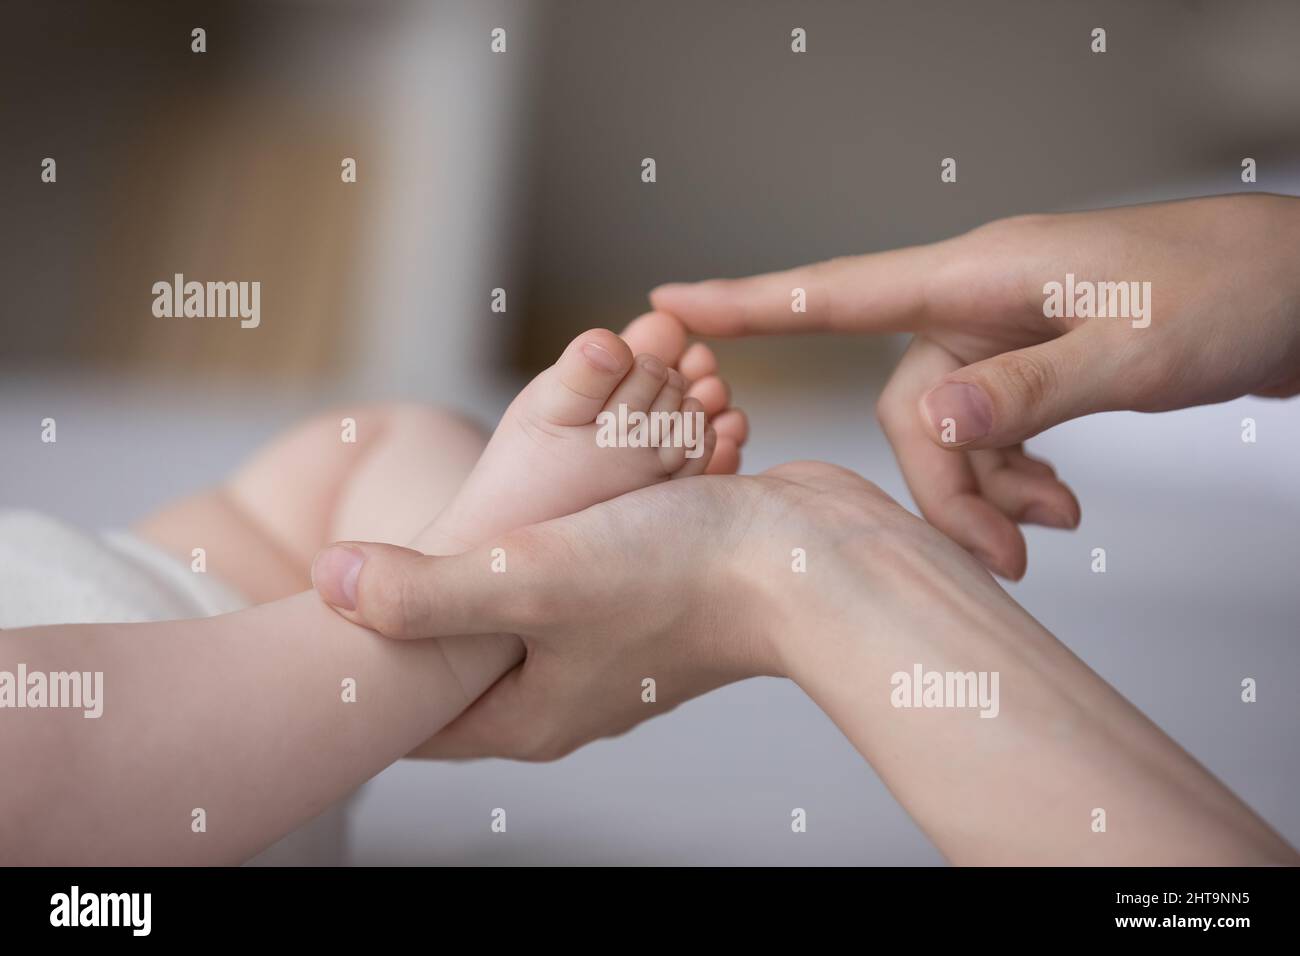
column 478, row 170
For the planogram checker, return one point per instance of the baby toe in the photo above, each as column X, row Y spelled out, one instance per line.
column 698, row 362
column 726, row 458
column 576, row 388
column 658, row 334
column 714, row 393
column 640, row 386
column 732, row 424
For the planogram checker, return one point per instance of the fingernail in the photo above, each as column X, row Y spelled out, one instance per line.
column 602, row 358
column 958, row 412
column 1041, row 514
column 334, row 574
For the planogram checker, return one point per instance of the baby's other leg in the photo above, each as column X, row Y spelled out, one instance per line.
column 409, row 474
column 376, row 472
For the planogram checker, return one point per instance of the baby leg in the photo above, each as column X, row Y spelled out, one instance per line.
column 375, row 472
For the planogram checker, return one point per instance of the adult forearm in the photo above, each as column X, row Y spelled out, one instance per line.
column 1004, row 746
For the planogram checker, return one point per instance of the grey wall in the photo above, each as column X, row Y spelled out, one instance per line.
column 767, row 158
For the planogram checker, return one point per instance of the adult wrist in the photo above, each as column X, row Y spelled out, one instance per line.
column 881, row 592
column 838, row 583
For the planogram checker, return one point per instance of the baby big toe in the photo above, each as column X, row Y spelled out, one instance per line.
column 576, row 388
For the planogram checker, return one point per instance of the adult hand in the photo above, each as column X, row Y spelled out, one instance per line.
column 987, row 369
column 687, row 583
column 693, row 584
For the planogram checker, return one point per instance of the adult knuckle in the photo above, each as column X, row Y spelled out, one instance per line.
column 527, row 606
column 1010, row 227
column 826, row 271
column 895, row 405
column 883, row 411
column 888, row 408
column 1029, row 378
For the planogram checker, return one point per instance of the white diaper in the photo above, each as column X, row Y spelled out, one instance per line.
column 52, row 573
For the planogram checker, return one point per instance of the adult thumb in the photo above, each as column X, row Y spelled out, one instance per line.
column 1013, row 396
column 404, row 594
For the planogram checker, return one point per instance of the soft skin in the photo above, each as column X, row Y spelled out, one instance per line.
column 1225, row 322
column 243, row 715
column 883, row 590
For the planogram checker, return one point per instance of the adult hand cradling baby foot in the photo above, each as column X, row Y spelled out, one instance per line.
column 692, row 584
column 598, row 561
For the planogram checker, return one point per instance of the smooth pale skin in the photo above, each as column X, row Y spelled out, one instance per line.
column 1225, row 322
column 883, row 590
column 243, row 715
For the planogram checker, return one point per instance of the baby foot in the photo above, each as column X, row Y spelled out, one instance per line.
column 544, row 460
column 550, row 455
